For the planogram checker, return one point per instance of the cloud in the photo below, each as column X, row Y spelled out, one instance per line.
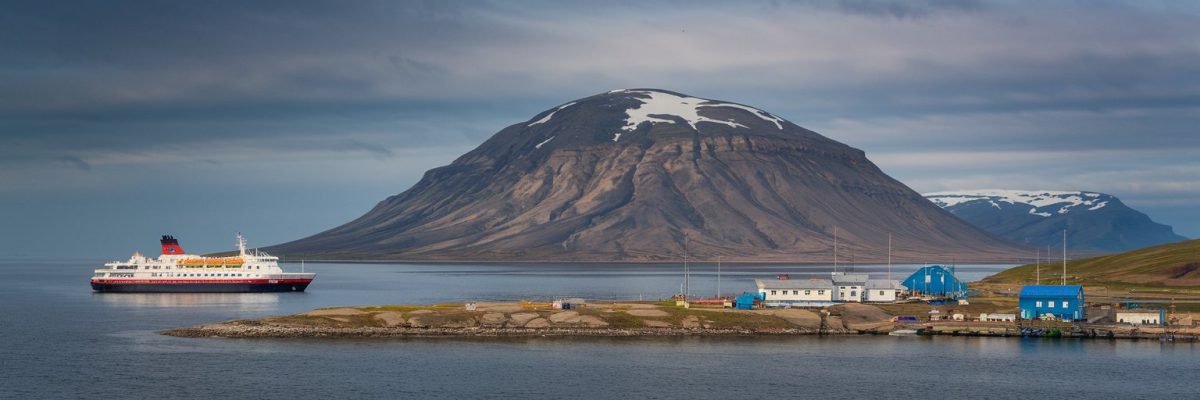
column 893, row 9
column 942, row 94
column 372, row 149
column 74, row 162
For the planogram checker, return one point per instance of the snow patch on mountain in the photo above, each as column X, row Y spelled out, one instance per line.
column 685, row 107
column 1042, row 201
column 551, row 114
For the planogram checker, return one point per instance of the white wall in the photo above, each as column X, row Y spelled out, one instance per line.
column 849, row 293
column 881, row 295
column 1138, row 318
column 797, row 294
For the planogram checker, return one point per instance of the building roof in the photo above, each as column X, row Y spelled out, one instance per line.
column 793, row 283
column 1151, row 312
column 1051, row 291
column 883, row 284
column 843, row 278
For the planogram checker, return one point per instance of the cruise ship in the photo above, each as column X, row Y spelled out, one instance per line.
column 175, row 271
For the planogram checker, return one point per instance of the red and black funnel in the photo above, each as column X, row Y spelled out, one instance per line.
column 170, row 245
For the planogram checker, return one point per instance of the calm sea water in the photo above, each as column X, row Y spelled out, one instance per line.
column 60, row 340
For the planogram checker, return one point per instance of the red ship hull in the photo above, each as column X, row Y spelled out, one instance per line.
column 199, row 286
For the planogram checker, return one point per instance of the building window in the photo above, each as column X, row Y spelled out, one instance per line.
column 773, row 292
column 807, row 292
column 794, row 292
column 1038, row 304
column 881, row 293
column 853, row 293
column 1050, row 304
column 1066, row 304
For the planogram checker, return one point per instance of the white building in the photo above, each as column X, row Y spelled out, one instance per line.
column 849, row 287
column 795, row 292
column 997, row 317
column 841, row 288
column 1139, row 317
column 883, row 291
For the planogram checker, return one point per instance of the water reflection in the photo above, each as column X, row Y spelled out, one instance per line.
column 234, row 301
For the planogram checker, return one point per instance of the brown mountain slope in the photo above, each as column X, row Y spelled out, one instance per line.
column 626, row 175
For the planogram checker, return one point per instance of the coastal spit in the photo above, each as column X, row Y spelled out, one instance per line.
column 616, row 319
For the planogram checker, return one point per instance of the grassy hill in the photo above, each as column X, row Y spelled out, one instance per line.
column 1169, row 265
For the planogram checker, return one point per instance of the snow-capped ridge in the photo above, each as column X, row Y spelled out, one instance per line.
column 1041, row 200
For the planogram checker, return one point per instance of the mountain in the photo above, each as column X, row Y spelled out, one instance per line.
column 630, row 175
column 1169, row 265
column 1095, row 222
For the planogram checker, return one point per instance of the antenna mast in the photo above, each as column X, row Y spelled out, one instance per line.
column 718, row 276
column 1039, row 267
column 1064, row 274
column 889, row 256
column 241, row 244
column 687, row 288
column 835, row 260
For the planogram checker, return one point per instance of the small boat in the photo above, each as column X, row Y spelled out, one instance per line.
column 904, row 332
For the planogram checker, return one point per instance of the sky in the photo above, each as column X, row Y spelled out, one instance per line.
column 124, row 120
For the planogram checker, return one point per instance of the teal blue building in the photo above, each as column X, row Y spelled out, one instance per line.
column 935, row 281
column 1063, row 302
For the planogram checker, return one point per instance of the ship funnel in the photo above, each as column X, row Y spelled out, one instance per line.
column 170, row 245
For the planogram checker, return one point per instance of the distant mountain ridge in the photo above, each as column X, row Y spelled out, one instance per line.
column 1094, row 221
column 637, row 175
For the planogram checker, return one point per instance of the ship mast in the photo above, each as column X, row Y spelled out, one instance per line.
column 241, row 244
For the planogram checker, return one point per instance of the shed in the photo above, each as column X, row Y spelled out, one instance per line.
column 1140, row 317
column 936, row 280
column 1061, row 302
column 881, row 290
column 747, row 301
column 994, row 317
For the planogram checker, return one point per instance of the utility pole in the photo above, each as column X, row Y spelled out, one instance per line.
column 687, row 288
column 1064, row 257
column 889, row 256
column 718, row 277
column 1039, row 267
column 835, row 260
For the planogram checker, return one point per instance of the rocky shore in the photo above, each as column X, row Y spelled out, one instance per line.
column 634, row 319
column 530, row 319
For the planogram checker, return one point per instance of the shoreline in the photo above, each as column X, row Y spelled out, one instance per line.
column 286, row 259
column 638, row 319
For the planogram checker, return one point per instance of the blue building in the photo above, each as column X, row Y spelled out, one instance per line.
column 1063, row 302
column 936, row 281
column 747, row 301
